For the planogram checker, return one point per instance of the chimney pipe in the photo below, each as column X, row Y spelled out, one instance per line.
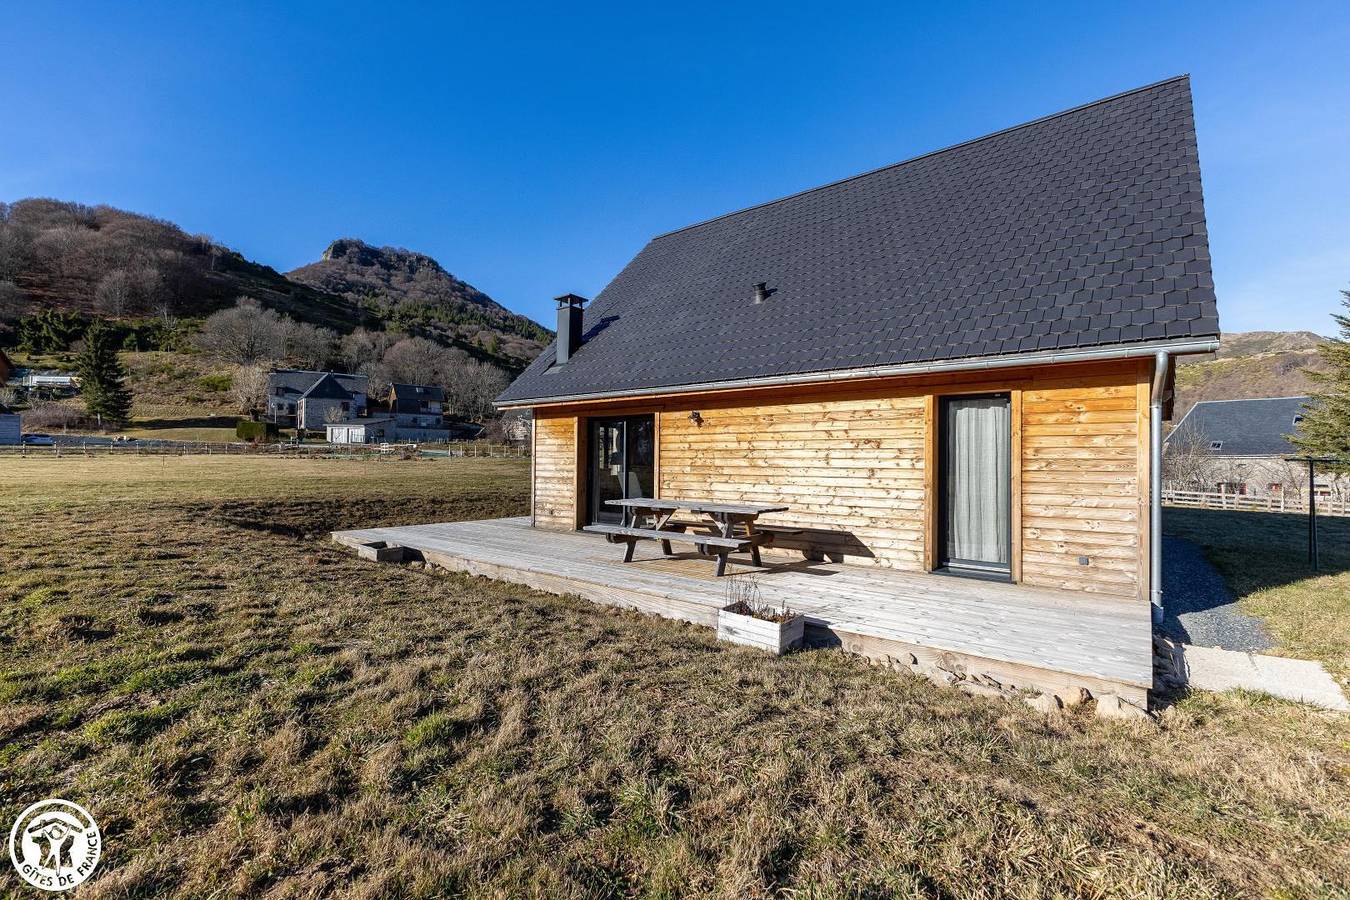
column 761, row 291
column 569, row 326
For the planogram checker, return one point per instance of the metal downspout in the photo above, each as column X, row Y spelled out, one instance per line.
column 1155, row 408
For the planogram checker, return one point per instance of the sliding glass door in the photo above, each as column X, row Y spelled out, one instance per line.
column 621, row 463
column 976, row 484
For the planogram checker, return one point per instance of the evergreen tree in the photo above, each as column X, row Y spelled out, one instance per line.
column 102, row 375
column 49, row 330
column 1325, row 430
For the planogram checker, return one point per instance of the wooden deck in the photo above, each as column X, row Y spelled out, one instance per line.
column 996, row 636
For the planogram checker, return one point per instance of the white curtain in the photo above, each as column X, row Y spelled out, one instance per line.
column 978, row 480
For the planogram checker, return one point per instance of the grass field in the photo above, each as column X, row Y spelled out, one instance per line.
column 1264, row 559
column 249, row 711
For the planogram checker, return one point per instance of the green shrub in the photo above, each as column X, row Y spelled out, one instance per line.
column 248, row 430
column 215, row 382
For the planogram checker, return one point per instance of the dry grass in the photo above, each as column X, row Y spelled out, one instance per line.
column 1264, row 559
column 252, row 713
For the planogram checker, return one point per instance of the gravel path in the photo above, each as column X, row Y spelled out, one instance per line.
column 1198, row 607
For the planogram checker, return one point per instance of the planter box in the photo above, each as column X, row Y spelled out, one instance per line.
column 776, row 637
column 379, row 551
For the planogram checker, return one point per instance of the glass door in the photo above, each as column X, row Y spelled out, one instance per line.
column 621, row 461
column 976, row 484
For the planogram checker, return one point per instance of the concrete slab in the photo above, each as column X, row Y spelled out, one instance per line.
column 1212, row 669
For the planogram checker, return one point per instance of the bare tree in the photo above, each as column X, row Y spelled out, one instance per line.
column 362, row 349
column 420, row 361
column 11, row 301
column 48, row 415
column 15, row 250
column 246, row 334
column 115, row 292
column 476, row 386
column 59, row 248
column 1289, row 476
column 309, row 346
column 249, row 386
column 1188, row 461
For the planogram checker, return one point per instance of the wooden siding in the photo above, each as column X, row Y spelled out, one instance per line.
column 851, row 469
column 854, row 461
column 1081, row 483
column 555, row 471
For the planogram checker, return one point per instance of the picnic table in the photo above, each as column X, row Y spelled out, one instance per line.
column 728, row 528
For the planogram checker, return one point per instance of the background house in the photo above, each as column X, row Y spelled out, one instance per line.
column 311, row 400
column 1241, row 447
column 418, row 411
column 517, row 426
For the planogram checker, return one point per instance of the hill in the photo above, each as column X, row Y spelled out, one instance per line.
column 412, row 291
column 105, row 262
column 1249, row 364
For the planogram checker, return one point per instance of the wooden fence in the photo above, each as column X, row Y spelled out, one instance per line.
column 1326, row 506
column 294, row 451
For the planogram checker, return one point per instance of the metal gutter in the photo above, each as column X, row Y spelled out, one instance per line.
column 1161, row 364
column 1175, row 348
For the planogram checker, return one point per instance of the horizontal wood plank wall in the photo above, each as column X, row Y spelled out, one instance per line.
column 850, row 468
column 1081, row 483
column 850, row 459
column 556, row 497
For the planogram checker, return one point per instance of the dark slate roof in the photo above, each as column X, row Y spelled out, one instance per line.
column 417, row 391
column 297, row 382
column 327, row 388
column 1243, row 427
column 1083, row 229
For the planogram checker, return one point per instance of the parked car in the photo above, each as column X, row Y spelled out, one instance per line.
column 38, row 440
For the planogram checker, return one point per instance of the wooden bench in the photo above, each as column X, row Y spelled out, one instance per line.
column 706, row 543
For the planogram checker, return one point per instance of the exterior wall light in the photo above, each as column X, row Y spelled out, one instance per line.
column 696, row 418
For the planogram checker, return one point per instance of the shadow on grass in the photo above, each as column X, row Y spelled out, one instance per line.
column 309, row 518
column 1256, row 551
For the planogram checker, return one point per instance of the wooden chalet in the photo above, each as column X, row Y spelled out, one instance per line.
column 952, row 370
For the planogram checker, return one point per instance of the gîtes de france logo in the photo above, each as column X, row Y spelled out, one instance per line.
column 55, row 845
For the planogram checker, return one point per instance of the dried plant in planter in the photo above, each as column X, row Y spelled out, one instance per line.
column 743, row 598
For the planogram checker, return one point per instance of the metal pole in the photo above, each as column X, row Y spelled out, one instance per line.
column 1312, row 513
column 1160, row 368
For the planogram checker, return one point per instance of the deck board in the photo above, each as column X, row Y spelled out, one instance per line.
column 1060, row 631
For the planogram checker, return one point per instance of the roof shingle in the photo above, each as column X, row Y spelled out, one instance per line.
column 1082, row 229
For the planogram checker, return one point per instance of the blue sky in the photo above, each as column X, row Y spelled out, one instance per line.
column 533, row 150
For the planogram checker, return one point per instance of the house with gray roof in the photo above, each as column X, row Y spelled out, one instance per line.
column 1243, row 447
column 311, row 400
column 418, row 411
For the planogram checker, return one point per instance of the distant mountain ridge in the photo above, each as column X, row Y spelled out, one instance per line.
column 415, row 291
column 105, row 262
column 1249, row 364
column 1253, row 343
